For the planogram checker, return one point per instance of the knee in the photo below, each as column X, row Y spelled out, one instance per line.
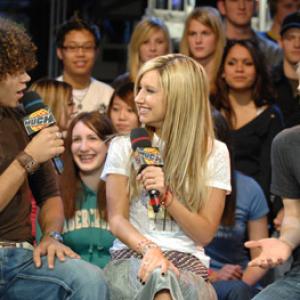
column 232, row 289
column 88, row 274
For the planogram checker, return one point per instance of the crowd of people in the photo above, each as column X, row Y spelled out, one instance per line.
column 223, row 113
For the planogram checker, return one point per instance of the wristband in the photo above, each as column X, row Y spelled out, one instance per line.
column 27, row 162
column 55, row 235
column 144, row 245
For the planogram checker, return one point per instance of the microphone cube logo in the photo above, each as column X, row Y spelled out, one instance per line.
column 144, row 157
column 38, row 120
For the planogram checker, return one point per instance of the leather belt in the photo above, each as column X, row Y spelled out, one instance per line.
column 8, row 244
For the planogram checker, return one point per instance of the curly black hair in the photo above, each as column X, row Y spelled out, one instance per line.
column 17, row 51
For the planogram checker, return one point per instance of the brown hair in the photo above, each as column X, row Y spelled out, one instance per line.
column 17, row 51
column 262, row 91
column 70, row 183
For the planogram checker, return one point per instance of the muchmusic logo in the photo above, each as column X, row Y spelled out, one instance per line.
column 38, row 120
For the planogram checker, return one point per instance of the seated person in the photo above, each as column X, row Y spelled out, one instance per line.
column 244, row 97
column 245, row 215
column 122, row 110
column 77, row 47
column 29, row 272
column 86, row 229
column 156, row 255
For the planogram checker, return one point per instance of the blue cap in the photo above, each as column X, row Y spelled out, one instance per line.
column 290, row 21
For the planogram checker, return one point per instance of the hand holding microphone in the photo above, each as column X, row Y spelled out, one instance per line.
column 148, row 163
column 47, row 142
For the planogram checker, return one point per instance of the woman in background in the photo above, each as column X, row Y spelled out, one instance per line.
column 86, row 230
column 58, row 96
column 122, row 109
column 150, row 38
column 244, row 216
column 244, row 98
column 203, row 39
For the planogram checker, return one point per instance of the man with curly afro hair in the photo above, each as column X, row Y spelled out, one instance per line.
column 28, row 272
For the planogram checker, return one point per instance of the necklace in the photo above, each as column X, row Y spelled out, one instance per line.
column 79, row 95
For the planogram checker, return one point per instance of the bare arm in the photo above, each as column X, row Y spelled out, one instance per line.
column 257, row 229
column 118, row 210
column 51, row 216
column 201, row 226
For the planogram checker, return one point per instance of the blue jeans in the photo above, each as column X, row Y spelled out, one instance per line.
column 232, row 290
column 72, row 279
column 285, row 288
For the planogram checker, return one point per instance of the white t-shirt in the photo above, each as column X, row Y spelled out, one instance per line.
column 165, row 233
column 95, row 97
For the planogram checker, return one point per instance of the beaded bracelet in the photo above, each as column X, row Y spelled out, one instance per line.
column 144, row 245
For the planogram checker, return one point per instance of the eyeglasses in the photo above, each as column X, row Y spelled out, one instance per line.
column 76, row 48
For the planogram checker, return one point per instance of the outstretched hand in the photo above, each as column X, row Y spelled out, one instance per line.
column 273, row 252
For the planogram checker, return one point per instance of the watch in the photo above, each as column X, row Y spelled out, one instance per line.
column 27, row 162
column 56, row 235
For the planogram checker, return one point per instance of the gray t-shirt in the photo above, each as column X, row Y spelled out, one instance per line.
column 286, row 168
column 286, row 163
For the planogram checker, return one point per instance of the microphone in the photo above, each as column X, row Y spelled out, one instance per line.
column 145, row 155
column 39, row 116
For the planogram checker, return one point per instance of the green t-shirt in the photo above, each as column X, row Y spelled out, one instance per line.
column 86, row 233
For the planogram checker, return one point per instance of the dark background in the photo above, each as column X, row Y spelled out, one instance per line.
column 115, row 18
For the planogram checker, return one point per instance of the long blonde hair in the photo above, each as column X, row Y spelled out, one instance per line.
column 187, row 130
column 142, row 32
column 56, row 94
column 211, row 18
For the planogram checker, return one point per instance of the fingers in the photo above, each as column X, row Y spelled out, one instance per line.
column 152, row 178
column 52, row 249
column 147, row 267
column 46, row 144
column 265, row 263
column 51, row 257
column 37, row 257
column 252, row 244
column 70, row 253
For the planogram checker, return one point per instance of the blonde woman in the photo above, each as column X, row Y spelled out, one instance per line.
column 203, row 39
column 149, row 39
column 160, row 255
column 58, row 96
